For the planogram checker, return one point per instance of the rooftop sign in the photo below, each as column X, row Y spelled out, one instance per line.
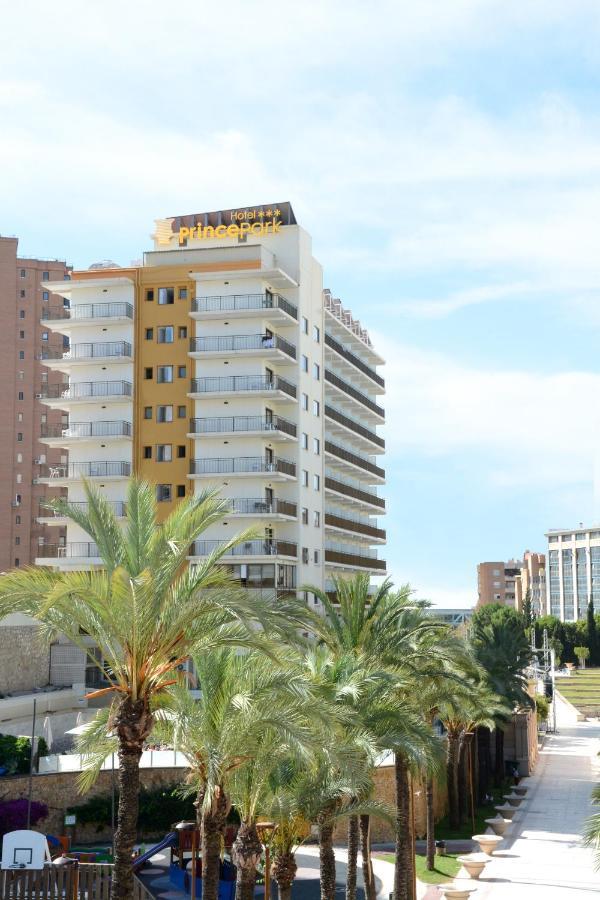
column 240, row 222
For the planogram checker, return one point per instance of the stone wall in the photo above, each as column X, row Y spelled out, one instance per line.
column 521, row 741
column 24, row 659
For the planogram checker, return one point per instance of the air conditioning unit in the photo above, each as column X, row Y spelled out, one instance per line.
column 38, row 396
column 37, row 461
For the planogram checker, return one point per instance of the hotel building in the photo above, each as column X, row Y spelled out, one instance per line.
column 509, row 582
column 573, row 572
column 221, row 362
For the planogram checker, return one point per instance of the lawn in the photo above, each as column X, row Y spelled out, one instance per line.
column 446, row 867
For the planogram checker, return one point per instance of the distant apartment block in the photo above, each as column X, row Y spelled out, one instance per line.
column 509, row 582
column 573, row 572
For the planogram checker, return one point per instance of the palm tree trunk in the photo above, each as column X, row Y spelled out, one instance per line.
column 353, row 841
column 404, row 876
column 430, row 824
column 485, row 769
column 499, row 765
column 452, row 780
column 327, row 862
column 245, row 853
column 213, row 823
column 462, row 782
column 284, row 870
column 367, row 862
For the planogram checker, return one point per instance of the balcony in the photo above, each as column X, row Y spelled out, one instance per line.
column 63, row 395
column 349, row 391
column 354, row 360
column 84, row 550
column 355, row 525
column 275, row 427
column 349, row 490
column 109, row 470
column 115, row 351
column 259, row 506
column 245, row 306
column 266, row 346
column 59, row 435
column 230, row 385
column 347, row 423
column 265, row 547
column 342, row 555
column 88, row 312
column 354, row 460
column 49, row 517
column 276, row 469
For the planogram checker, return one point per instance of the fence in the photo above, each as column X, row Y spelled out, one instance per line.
column 150, row 759
column 85, row 881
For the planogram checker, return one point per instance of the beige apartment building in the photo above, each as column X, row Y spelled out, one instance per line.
column 508, row 582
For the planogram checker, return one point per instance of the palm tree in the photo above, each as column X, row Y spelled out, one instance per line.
column 591, row 831
column 146, row 610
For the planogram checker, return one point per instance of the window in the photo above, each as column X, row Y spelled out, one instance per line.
column 19, row 417
column 22, row 273
column 163, row 493
column 181, row 490
column 164, row 374
column 164, row 453
column 305, row 401
column 317, row 518
column 316, row 408
column 304, row 363
column 19, row 478
column 305, row 515
column 181, row 371
column 44, row 335
column 164, row 413
column 45, row 276
column 496, row 572
column 316, row 334
column 147, row 412
column 17, row 562
column 305, row 555
column 165, row 334
column 316, row 446
column 317, row 482
column 316, row 371
column 17, row 541
column 166, row 295
column 147, row 452
column 45, row 295
column 21, row 294
column 149, row 334
column 316, row 557
column 180, row 451
column 183, row 293
column 19, row 437
column 21, row 354
column 181, row 412
column 17, row 520
column 304, row 478
column 182, row 331
column 150, row 295
column 21, row 313
column 148, row 373
column 304, row 441
column 304, row 325
column 22, row 334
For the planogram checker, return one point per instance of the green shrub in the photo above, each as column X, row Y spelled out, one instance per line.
column 15, row 754
column 159, row 809
column 542, row 708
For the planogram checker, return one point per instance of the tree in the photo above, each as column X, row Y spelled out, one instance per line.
column 582, row 653
column 527, row 612
column 146, row 610
column 592, row 640
column 591, row 830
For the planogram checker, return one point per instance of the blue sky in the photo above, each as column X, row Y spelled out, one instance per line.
column 444, row 155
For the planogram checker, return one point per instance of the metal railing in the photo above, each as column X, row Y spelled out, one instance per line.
column 101, row 469
column 220, row 424
column 351, row 391
column 354, row 458
column 362, row 559
column 240, row 342
column 118, row 507
column 355, row 525
column 241, row 302
column 103, row 350
column 349, row 490
column 266, row 547
column 235, row 383
column 87, row 429
column 90, row 311
column 82, row 389
column 85, row 549
column 353, row 359
column 350, row 423
column 241, row 465
column 259, row 506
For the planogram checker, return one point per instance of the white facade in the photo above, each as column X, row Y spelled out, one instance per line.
column 573, row 572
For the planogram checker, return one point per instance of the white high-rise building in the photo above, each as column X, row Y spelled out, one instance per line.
column 573, row 576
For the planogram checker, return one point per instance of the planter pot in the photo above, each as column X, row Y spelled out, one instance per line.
column 488, row 842
column 521, row 790
column 456, row 891
column 473, row 864
column 498, row 825
column 506, row 811
column 514, row 799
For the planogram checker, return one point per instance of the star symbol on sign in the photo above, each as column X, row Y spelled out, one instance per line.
column 269, row 213
column 277, row 212
column 261, row 214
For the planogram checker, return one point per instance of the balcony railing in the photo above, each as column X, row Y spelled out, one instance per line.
column 87, row 429
column 351, row 391
column 361, row 560
column 235, row 383
column 89, row 311
column 265, row 547
column 242, row 465
column 241, row 342
column 118, row 507
column 85, row 549
column 259, row 506
column 354, row 426
column 353, row 359
column 82, row 389
column 349, row 490
column 354, row 458
column 241, row 302
column 220, row 424
column 354, row 525
column 101, row 469
column 105, row 350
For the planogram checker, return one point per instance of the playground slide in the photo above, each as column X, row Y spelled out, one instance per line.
column 170, row 840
